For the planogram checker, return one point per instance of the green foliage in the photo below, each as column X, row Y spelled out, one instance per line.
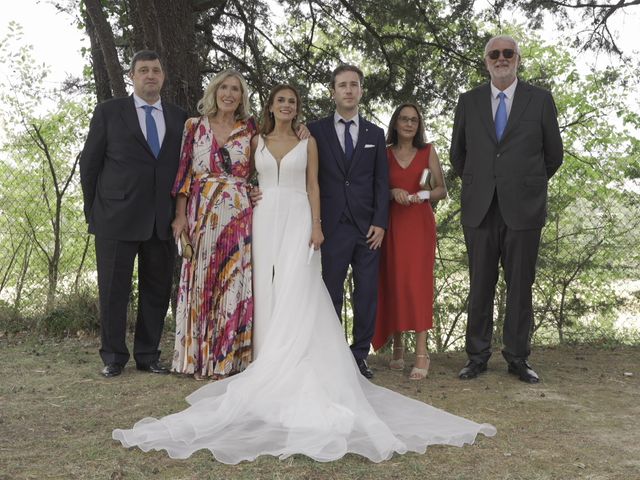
column 74, row 314
column 426, row 52
column 11, row 321
column 40, row 227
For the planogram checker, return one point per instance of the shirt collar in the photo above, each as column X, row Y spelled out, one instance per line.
column 337, row 117
column 509, row 91
column 139, row 102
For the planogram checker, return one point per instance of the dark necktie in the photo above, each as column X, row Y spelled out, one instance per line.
column 501, row 116
column 152, row 130
column 348, row 141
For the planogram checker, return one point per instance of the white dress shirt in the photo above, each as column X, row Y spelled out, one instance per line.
column 508, row 100
column 157, row 116
column 339, row 126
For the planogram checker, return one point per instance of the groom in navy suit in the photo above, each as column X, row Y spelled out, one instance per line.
column 354, row 194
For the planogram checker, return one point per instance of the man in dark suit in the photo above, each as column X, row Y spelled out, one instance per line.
column 127, row 168
column 354, row 194
column 506, row 145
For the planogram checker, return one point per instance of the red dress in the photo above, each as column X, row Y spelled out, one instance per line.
column 405, row 285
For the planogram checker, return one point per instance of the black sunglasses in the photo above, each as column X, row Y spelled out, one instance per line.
column 226, row 160
column 506, row 53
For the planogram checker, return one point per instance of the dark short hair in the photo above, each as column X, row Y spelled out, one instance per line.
column 143, row 55
column 345, row 67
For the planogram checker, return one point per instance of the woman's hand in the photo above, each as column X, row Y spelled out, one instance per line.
column 178, row 225
column 317, row 237
column 255, row 194
column 303, row 132
column 401, row 196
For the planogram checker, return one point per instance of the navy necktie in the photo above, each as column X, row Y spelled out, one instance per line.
column 152, row 130
column 501, row 116
column 348, row 141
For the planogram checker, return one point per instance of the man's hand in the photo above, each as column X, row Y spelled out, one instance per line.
column 255, row 195
column 375, row 236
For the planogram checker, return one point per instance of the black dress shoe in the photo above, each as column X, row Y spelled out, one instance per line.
column 523, row 370
column 472, row 369
column 153, row 367
column 364, row 368
column 112, row 370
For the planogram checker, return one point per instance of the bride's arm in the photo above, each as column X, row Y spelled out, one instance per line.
column 254, row 192
column 313, row 192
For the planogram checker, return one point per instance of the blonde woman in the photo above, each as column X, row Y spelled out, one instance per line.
column 214, row 317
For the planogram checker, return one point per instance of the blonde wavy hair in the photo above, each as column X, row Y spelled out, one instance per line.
column 208, row 105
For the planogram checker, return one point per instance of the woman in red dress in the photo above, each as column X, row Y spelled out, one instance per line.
column 405, row 293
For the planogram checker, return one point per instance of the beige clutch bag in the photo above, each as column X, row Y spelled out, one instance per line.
column 426, row 180
column 184, row 246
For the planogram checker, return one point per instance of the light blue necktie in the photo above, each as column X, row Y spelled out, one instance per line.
column 501, row 116
column 348, row 141
column 152, row 130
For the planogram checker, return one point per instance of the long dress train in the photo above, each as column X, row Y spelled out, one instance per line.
column 303, row 394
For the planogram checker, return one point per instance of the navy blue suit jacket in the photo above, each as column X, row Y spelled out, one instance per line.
column 363, row 189
column 127, row 191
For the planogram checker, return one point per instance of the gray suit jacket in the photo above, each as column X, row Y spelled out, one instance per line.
column 518, row 167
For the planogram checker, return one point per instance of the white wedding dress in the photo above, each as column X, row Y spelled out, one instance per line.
column 303, row 394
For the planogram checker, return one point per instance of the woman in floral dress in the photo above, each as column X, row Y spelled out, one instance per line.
column 214, row 316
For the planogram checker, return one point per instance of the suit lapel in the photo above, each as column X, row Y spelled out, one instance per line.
column 483, row 102
column 334, row 143
column 168, row 131
column 521, row 99
column 130, row 117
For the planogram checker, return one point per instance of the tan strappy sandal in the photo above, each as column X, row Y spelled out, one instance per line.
column 420, row 373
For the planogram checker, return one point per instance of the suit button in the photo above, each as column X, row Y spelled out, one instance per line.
column 347, row 183
column 498, row 155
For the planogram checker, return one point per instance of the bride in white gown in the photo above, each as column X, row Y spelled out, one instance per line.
column 303, row 394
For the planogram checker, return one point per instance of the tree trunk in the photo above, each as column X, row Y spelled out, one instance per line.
column 23, row 276
column 168, row 27
column 76, row 284
column 98, row 67
column 104, row 35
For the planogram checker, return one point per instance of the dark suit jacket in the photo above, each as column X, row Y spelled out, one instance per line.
column 364, row 189
column 126, row 189
column 518, row 167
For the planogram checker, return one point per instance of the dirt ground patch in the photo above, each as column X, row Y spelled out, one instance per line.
column 583, row 421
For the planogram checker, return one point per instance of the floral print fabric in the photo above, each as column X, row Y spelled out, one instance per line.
column 214, row 315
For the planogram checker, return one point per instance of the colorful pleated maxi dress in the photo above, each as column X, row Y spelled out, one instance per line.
column 214, row 316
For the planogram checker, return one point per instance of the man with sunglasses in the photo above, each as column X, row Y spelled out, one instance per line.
column 505, row 146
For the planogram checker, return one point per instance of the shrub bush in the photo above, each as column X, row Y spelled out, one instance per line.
column 73, row 313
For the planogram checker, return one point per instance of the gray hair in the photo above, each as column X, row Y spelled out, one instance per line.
column 506, row 38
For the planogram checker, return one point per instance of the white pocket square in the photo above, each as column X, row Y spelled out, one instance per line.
column 369, row 145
